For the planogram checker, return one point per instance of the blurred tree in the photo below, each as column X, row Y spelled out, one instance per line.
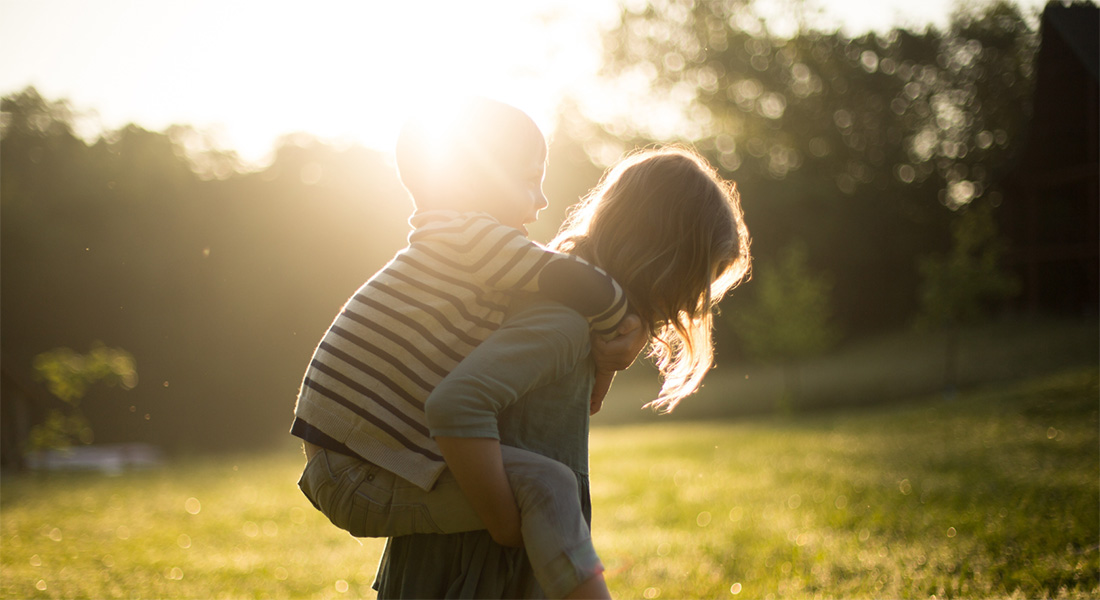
column 68, row 376
column 854, row 146
column 219, row 281
column 788, row 318
column 958, row 288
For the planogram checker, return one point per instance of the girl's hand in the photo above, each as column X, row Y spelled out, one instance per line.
column 619, row 353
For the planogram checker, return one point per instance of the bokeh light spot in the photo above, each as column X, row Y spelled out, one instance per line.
column 192, row 505
column 869, row 61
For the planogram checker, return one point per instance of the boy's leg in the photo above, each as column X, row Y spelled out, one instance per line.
column 555, row 533
column 369, row 501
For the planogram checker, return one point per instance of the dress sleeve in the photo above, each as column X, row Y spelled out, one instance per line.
column 538, row 345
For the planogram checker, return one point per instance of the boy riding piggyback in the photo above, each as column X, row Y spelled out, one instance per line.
column 373, row 467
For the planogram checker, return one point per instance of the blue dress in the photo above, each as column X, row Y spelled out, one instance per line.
column 542, row 352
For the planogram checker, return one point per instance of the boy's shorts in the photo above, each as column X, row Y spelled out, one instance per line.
column 368, row 501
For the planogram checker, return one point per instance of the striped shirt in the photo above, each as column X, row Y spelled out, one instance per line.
column 411, row 323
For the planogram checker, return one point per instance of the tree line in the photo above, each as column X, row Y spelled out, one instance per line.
column 853, row 156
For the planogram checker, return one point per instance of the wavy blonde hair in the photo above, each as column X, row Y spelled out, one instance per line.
column 672, row 233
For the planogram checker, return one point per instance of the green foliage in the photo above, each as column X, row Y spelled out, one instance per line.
column 958, row 287
column 214, row 277
column 59, row 430
column 995, row 495
column 221, row 280
column 789, row 316
column 852, row 145
column 881, row 110
column 68, row 375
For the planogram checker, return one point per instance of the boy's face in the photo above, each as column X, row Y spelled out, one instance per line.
column 524, row 199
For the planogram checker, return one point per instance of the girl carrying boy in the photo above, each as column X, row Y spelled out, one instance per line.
column 672, row 233
column 374, row 468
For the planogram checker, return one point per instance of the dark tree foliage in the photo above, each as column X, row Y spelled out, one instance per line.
column 857, row 148
column 219, row 282
column 218, row 285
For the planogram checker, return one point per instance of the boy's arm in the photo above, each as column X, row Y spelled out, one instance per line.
column 586, row 289
column 504, row 259
column 479, row 470
column 599, row 390
column 615, row 355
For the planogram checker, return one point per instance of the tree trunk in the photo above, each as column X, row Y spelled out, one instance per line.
column 792, row 388
column 951, row 361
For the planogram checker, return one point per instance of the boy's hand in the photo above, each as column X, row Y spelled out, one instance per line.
column 599, row 390
column 619, row 353
column 615, row 355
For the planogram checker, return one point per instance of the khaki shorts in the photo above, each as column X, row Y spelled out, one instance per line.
column 368, row 501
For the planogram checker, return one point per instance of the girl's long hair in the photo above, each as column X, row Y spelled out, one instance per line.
column 672, row 233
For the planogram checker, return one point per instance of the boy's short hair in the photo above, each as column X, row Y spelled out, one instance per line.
column 447, row 161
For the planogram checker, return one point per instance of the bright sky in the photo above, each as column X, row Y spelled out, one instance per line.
column 348, row 70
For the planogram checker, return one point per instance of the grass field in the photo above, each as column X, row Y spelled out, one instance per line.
column 871, row 371
column 992, row 494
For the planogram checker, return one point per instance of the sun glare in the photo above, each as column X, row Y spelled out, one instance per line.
column 395, row 61
column 248, row 72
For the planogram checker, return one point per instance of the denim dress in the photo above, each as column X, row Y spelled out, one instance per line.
column 548, row 415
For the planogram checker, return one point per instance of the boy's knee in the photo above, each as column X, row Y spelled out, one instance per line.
column 538, row 480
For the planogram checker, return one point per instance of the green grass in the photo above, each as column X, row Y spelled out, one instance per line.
column 993, row 494
column 889, row 367
column 204, row 528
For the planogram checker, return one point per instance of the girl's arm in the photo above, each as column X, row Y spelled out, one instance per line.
column 479, row 470
column 531, row 349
